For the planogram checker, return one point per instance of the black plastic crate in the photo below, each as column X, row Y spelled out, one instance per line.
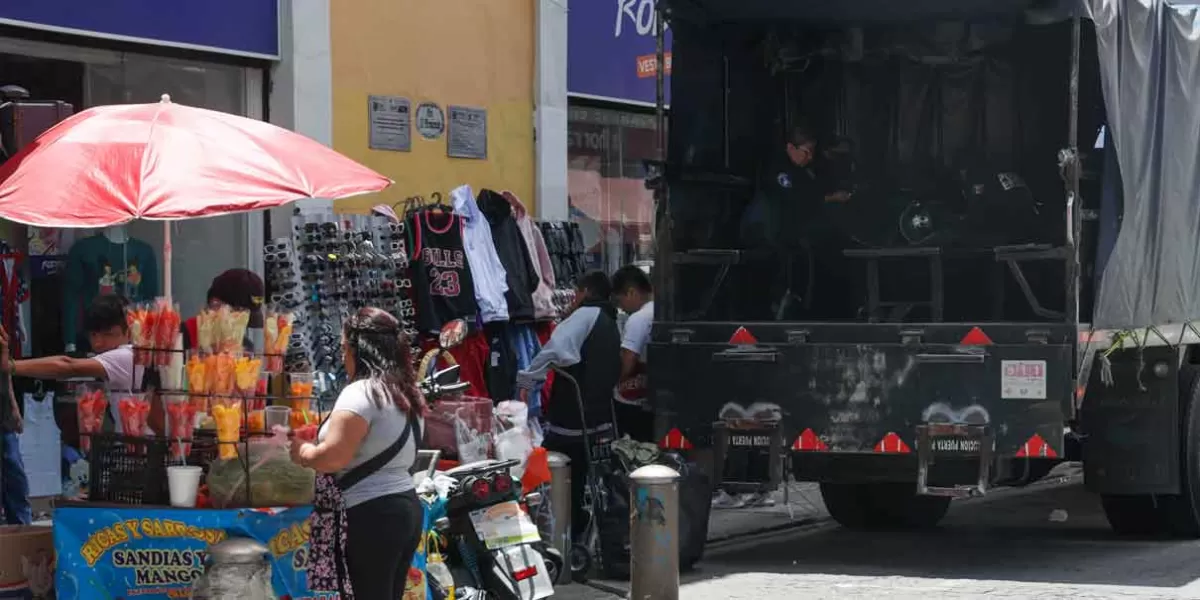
column 128, row 470
column 204, row 450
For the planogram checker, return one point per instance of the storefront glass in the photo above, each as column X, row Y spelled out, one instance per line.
column 606, row 184
column 202, row 247
column 87, row 77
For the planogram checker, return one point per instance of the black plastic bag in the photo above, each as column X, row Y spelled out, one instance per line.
column 695, row 501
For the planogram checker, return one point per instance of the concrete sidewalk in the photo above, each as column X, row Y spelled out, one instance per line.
column 798, row 505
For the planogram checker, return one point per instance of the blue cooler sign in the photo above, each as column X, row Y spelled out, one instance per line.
column 117, row 553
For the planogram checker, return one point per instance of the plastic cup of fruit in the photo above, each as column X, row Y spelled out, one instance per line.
column 306, row 433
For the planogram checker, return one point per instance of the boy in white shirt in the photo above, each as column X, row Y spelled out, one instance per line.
column 634, row 294
column 108, row 334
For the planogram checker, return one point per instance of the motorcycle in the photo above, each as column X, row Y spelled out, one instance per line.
column 497, row 549
column 494, row 549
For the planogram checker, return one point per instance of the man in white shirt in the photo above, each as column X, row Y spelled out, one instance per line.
column 633, row 293
column 108, row 334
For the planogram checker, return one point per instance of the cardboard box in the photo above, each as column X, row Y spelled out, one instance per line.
column 26, row 562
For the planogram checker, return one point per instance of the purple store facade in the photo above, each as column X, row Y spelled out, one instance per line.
column 216, row 54
column 611, row 75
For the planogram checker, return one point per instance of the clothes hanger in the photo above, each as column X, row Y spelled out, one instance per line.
column 412, row 205
column 436, row 203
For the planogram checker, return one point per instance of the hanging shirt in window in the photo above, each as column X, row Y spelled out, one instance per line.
column 97, row 266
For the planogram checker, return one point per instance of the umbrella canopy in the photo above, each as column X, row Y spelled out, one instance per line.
column 113, row 164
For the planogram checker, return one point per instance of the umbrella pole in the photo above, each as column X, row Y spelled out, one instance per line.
column 167, row 260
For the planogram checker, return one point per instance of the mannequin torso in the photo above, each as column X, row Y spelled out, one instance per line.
column 116, row 234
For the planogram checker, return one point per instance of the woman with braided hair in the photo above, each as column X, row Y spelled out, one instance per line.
column 362, row 455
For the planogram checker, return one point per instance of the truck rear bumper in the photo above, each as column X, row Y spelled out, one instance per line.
column 860, row 393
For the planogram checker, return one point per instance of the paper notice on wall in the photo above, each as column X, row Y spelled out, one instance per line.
column 1023, row 379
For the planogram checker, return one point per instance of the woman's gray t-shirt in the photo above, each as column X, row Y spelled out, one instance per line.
column 387, row 423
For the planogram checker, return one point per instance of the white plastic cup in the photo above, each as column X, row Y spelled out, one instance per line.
column 277, row 416
column 183, row 482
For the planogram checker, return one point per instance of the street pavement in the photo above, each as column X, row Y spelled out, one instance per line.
column 797, row 504
column 1045, row 542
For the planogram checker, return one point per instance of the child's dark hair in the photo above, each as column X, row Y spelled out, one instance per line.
column 382, row 356
column 631, row 277
column 595, row 286
column 105, row 312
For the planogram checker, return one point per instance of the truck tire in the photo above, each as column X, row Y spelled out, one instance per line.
column 1181, row 512
column 868, row 506
column 1132, row 515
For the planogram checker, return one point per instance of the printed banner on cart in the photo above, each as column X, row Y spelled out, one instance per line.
column 158, row 553
column 244, row 27
column 611, row 50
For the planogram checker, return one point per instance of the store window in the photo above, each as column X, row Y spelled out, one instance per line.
column 87, row 77
column 606, row 184
column 138, row 79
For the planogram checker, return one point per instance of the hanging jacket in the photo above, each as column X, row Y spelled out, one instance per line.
column 543, row 296
column 587, row 346
column 487, row 273
column 521, row 277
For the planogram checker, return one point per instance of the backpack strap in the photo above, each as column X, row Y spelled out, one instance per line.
column 369, row 467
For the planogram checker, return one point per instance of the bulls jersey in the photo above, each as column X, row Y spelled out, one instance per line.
column 441, row 278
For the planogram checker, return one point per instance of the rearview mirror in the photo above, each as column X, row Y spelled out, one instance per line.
column 452, row 334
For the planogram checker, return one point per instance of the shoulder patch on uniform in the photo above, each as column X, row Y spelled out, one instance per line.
column 784, row 180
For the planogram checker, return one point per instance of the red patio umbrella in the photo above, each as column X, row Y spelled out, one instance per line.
column 113, row 164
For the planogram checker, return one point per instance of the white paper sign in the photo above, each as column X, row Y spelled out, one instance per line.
column 1023, row 379
column 504, row 524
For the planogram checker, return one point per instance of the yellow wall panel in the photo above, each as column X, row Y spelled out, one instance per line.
column 477, row 53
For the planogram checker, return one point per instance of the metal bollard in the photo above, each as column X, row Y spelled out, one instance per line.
column 654, row 534
column 560, row 506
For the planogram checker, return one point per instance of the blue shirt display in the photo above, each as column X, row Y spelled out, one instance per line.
column 96, row 265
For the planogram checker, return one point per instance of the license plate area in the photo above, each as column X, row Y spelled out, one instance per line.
column 954, row 444
column 749, row 452
column 502, row 525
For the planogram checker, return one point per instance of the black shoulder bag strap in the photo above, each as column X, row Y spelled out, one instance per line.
column 366, row 469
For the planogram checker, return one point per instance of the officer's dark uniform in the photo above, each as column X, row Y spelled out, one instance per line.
column 787, row 200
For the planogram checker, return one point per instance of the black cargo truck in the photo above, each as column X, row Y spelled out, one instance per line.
column 1013, row 281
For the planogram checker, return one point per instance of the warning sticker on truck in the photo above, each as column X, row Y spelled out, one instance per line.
column 1023, row 379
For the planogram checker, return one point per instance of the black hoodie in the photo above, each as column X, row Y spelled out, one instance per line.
column 522, row 279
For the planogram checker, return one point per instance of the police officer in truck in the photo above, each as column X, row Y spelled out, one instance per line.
column 785, row 217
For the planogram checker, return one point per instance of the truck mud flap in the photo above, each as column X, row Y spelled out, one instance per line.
column 1130, row 417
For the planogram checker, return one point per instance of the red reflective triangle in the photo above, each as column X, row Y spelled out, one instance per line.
column 976, row 337
column 809, row 441
column 742, row 337
column 674, row 440
column 1036, row 447
column 892, row 444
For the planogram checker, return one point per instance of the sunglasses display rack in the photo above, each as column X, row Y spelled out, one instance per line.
column 332, row 266
column 564, row 244
column 284, row 286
